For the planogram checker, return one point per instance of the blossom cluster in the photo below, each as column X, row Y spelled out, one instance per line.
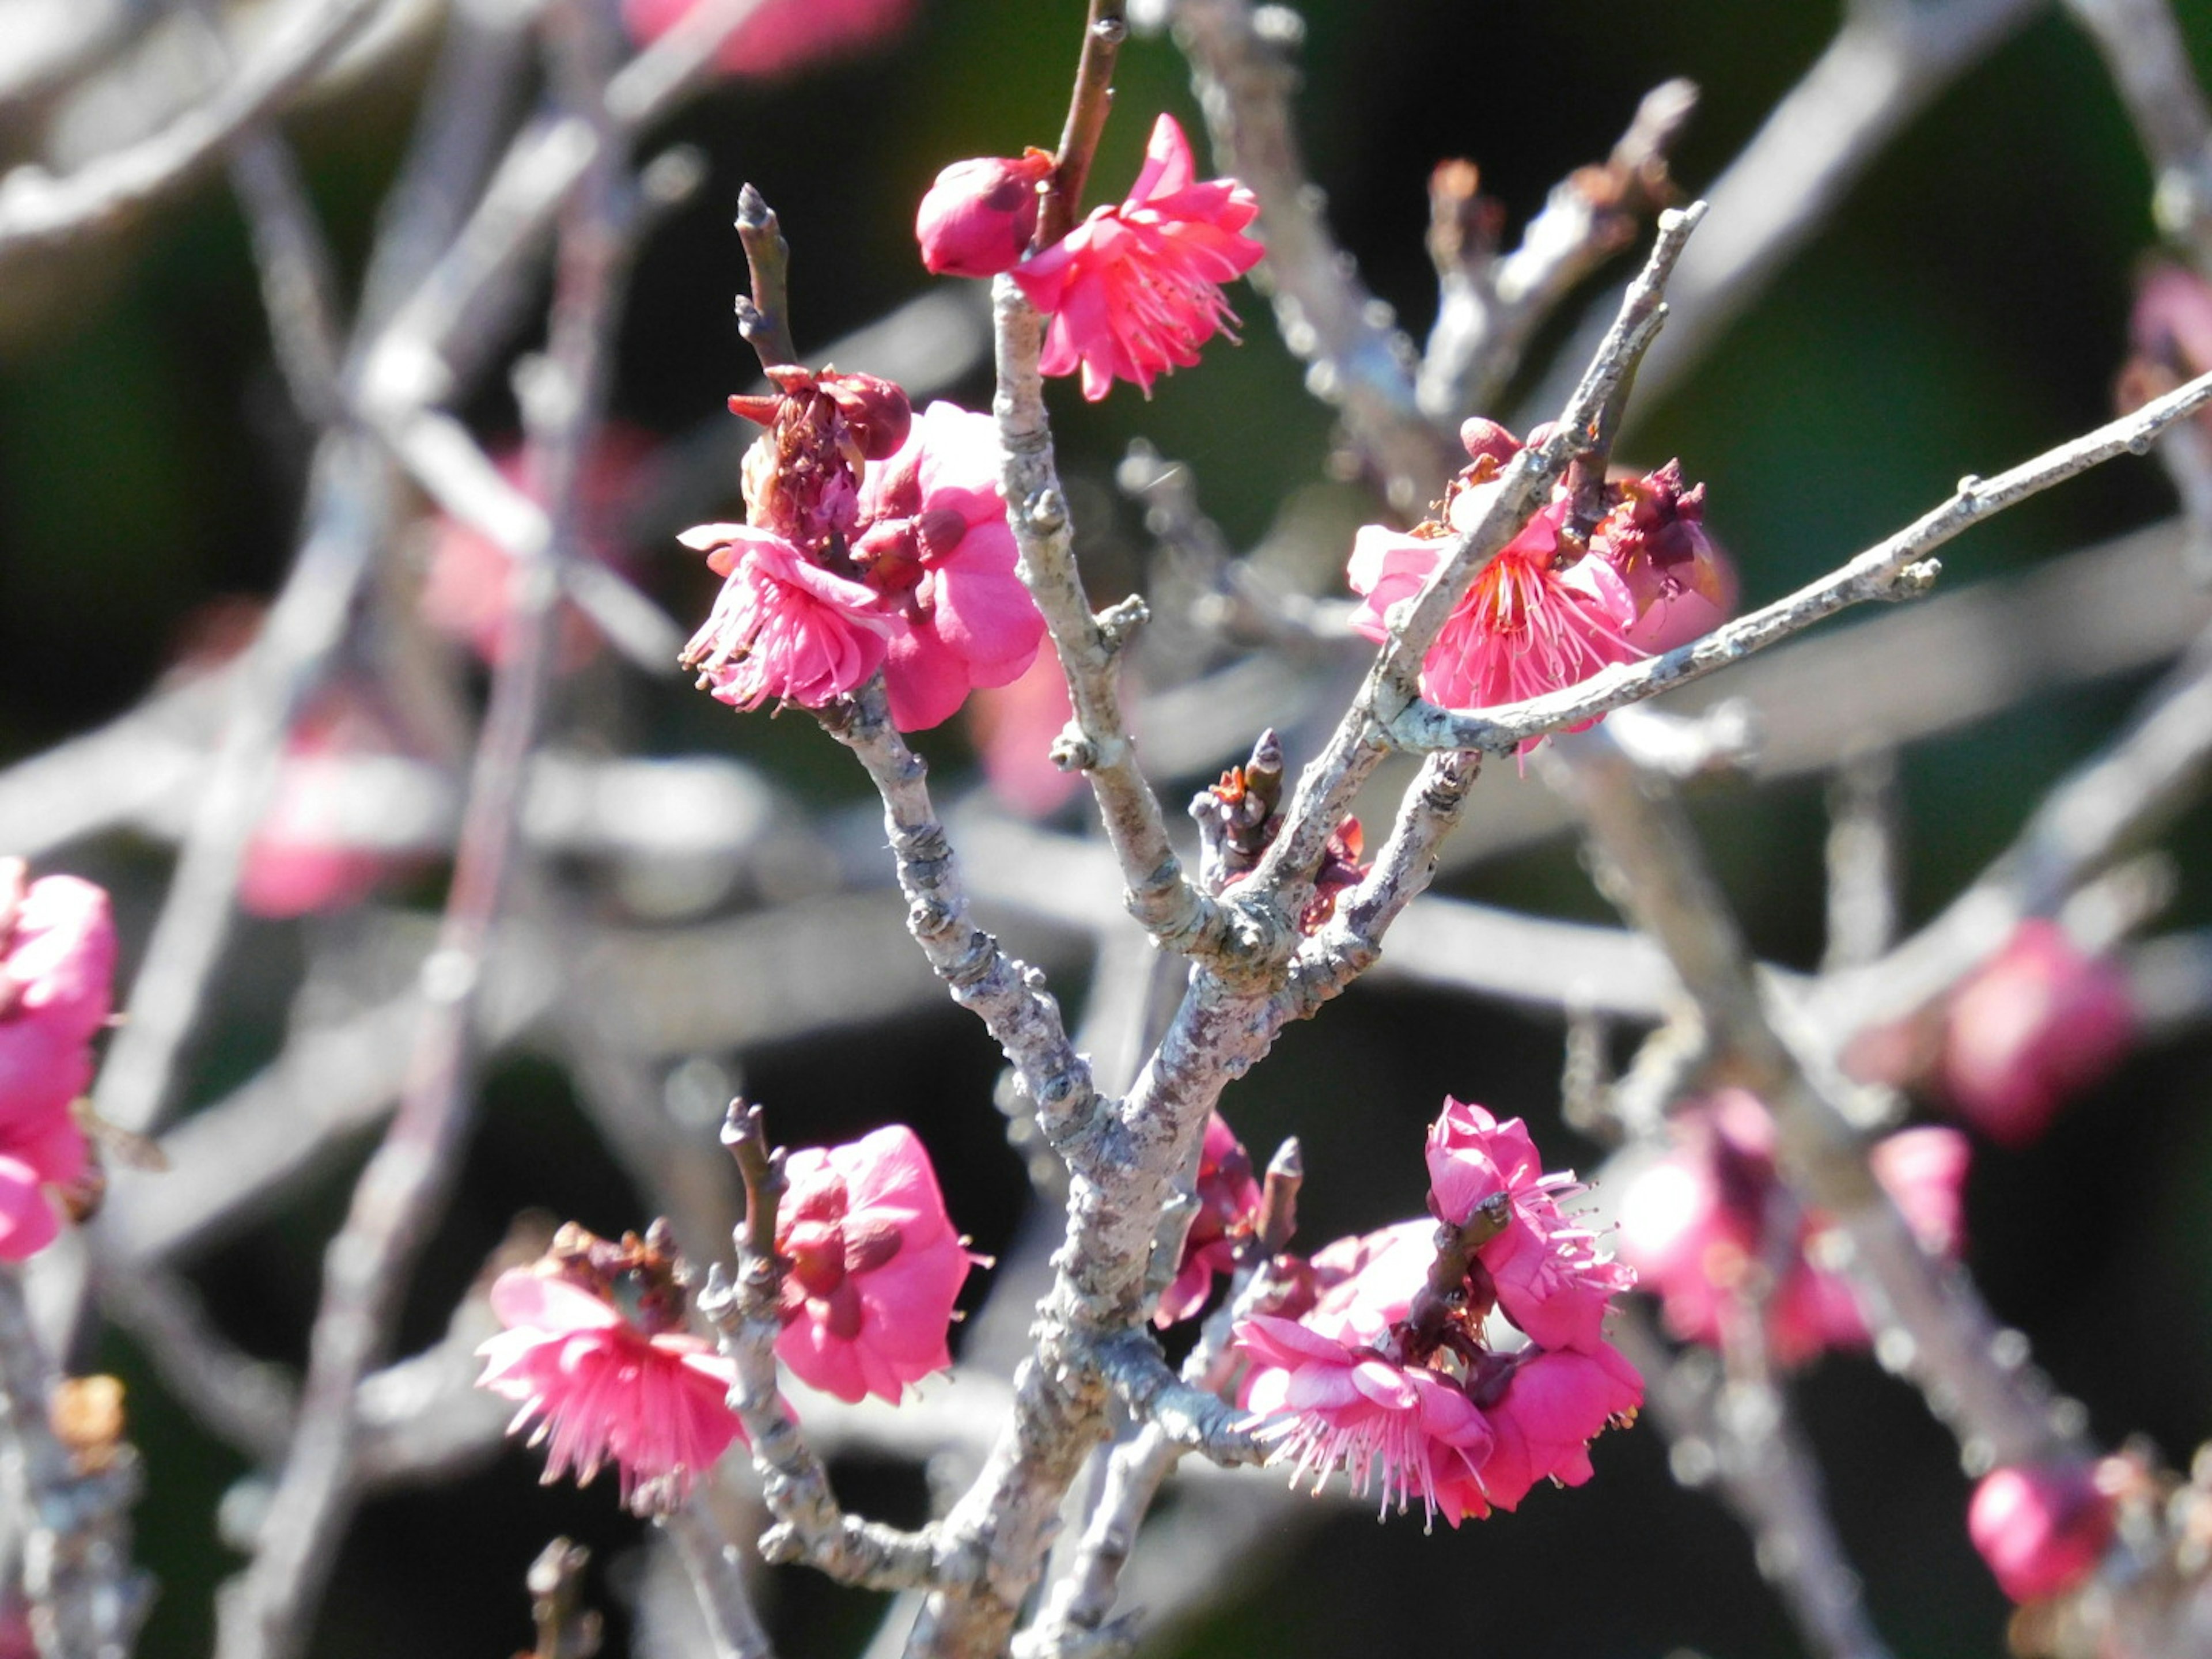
column 57, row 977
column 1396, row 1371
column 873, row 539
column 1551, row 609
column 599, row 1358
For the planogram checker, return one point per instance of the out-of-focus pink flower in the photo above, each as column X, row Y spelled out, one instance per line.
column 466, row 581
column 781, row 35
column 782, row 626
column 1405, row 1429
column 1523, row 627
column 933, row 541
column 57, row 977
column 1553, row 1406
column 2169, row 336
column 1695, row 1227
column 1228, row 1199
column 601, row 1390
column 1550, row 1278
column 1655, row 536
column 1134, row 290
column 978, row 218
column 2042, row 1528
column 300, row 860
column 875, row 1266
column 2042, row 1021
column 1012, row 728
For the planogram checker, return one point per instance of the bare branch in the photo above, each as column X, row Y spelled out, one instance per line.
column 719, row 1581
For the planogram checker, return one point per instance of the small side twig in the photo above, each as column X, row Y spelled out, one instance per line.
column 1103, row 31
column 764, row 315
column 566, row 1628
column 716, row 1575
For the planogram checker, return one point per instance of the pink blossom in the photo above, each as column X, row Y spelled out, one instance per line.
column 1407, row 1428
column 1695, row 1225
column 1653, row 535
column 1554, row 1404
column 1134, row 290
column 466, row 580
column 2041, row 1022
column 1550, row 1278
column 1523, row 627
column 57, row 974
column 602, row 1391
column 1012, row 728
column 933, row 542
column 875, row 1266
column 301, row 859
column 1228, row 1199
column 978, row 218
column 2042, row 1528
column 782, row 626
column 781, row 35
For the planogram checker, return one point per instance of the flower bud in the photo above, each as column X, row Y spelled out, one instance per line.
column 2042, row 1528
column 978, row 217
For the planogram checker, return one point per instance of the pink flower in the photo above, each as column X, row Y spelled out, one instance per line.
column 1695, row 1227
column 1366, row 1284
column 1407, row 1428
column 1012, row 728
column 875, row 1267
column 1550, row 1278
column 781, row 35
column 2041, row 1022
column 2041, row 1528
column 1555, row 1404
column 933, row 542
column 1228, row 1199
column 1655, row 536
column 978, row 218
column 1523, row 627
column 1134, row 290
column 301, row 859
column 602, row 1391
column 57, row 974
column 782, row 626
column 464, row 584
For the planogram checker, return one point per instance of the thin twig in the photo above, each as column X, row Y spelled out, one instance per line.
column 2148, row 62
column 719, row 1581
column 1103, row 31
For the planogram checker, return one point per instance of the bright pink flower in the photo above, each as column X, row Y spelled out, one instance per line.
column 1523, row 627
column 57, row 974
column 1012, row 728
column 978, row 218
column 1552, row 1280
column 2041, row 1528
column 2041, row 1022
column 782, row 626
column 1694, row 1226
column 1134, row 290
column 933, row 542
column 781, row 35
column 1555, row 1404
column 1407, row 1428
column 466, row 582
column 1365, row 1284
column 1653, row 535
column 601, row 1390
column 876, row 1266
column 301, row 859
column 1228, row 1199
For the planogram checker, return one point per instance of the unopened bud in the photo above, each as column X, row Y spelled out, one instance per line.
column 978, row 217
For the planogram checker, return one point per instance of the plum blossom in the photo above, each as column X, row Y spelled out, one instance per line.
column 301, row 859
column 2040, row 1021
column 57, row 974
column 782, row 626
column 875, row 1266
column 978, row 218
column 779, row 35
column 1552, row 1405
column 2042, row 1528
column 1012, row 726
column 1552, row 1280
column 1134, row 290
column 1654, row 536
column 1408, row 1430
column 1526, row 625
column 651, row 1399
column 1695, row 1225
column 933, row 542
column 1228, row 1201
